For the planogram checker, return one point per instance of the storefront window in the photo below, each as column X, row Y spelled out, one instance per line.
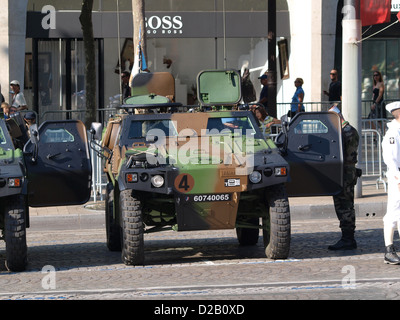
column 61, row 75
column 51, row 86
column 383, row 56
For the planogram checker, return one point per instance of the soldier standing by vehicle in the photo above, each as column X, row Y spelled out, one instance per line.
column 391, row 157
column 264, row 92
column 344, row 201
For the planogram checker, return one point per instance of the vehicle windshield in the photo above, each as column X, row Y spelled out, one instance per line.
column 2, row 137
column 215, row 125
column 311, row 126
column 55, row 135
column 140, row 129
column 241, row 125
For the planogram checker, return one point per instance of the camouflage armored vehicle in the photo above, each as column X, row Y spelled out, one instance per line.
column 12, row 199
column 52, row 168
column 209, row 168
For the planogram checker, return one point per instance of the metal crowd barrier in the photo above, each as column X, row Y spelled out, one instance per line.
column 78, row 114
column 371, row 161
column 98, row 177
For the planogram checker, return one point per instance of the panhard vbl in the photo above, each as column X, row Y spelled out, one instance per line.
column 49, row 166
column 209, row 167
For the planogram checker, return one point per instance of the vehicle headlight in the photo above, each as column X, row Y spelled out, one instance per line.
column 157, row 181
column 255, row 177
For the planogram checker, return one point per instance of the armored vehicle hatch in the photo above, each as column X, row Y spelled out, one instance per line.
column 314, row 153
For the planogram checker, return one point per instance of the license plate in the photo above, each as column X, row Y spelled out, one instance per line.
column 211, row 197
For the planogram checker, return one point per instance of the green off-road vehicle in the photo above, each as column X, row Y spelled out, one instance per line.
column 51, row 168
column 209, row 167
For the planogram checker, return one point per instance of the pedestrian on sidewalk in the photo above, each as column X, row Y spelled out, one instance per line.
column 264, row 92
column 344, row 201
column 391, row 157
column 18, row 99
column 126, row 89
column 297, row 100
column 335, row 87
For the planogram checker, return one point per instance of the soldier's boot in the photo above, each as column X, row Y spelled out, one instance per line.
column 347, row 242
column 391, row 256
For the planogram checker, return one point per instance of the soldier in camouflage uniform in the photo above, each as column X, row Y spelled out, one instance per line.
column 344, row 201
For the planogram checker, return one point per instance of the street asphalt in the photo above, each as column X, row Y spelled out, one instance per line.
column 209, row 264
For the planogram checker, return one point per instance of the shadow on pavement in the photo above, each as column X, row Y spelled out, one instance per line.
column 164, row 251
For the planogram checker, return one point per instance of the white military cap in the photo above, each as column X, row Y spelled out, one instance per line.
column 393, row 106
column 15, row 82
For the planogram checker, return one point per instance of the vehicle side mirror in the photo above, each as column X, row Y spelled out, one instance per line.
column 151, row 138
column 96, row 130
column 33, row 131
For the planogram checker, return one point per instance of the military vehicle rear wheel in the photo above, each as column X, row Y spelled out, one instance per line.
column 276, row 229
column 113, row 231
column 132, row 229
column 15, row 233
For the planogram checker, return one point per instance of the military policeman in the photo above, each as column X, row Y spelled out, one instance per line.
column 344, row 201
column 391, row 157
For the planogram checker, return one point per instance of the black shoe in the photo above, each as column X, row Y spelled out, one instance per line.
column 391, row 256
column 344, row 244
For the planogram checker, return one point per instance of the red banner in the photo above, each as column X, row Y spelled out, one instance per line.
column 375, row 11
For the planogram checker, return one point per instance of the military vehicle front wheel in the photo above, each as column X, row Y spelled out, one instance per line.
column 15, row 233
column 276, row 228
column 132, row 229
column 113, row 231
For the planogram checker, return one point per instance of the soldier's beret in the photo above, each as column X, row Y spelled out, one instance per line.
column 393, row 106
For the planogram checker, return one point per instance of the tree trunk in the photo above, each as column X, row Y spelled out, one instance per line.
column 139, row 34
column 90, row 57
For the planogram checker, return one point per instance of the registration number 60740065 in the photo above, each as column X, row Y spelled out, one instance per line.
column 212, row 197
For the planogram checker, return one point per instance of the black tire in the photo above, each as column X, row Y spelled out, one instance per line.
column 113, row 230
column 15, row 233
column 276, row 227
column 248, row 236
column 132, row 229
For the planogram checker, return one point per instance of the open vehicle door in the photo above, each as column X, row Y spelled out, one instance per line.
column 58, row 165
column 314, row 153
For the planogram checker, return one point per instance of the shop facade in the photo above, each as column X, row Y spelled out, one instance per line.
column 382, row 53
column 183, row 38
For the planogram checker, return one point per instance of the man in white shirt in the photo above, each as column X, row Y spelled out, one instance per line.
column 18, row 99
column 391, row 157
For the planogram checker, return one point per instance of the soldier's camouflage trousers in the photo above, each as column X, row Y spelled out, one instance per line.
column 344, row 203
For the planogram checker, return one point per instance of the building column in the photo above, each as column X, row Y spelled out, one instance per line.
column 312, row 46
column 328, row 16
column 12, row 39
